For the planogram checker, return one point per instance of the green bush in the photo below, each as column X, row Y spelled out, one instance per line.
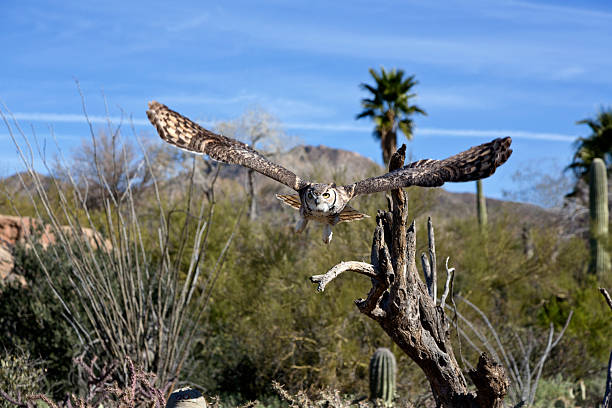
column 32, row 319
column 20, row 375
column 557, row 391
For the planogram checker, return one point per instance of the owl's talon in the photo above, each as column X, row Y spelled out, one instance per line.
column 327, row 234
column 300, row 226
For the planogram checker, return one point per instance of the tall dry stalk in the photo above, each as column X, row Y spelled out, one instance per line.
column 524, row 363
column 136, row 300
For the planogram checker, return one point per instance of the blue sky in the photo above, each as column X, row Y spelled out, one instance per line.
column 528, row 69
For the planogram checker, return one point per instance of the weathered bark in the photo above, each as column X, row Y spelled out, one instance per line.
column 405, row 308
column 251, row 192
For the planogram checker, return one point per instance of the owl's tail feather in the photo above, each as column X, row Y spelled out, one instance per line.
column 292, row 200
column 351, row 214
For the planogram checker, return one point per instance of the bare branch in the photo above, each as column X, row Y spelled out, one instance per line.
column 8, row 398
column 427, row 274
column 359, row 267
column 448, row 286
column 432, row 259
column 549, row 346
column 606, row 296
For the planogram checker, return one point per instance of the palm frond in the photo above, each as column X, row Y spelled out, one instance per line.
column 389, row 103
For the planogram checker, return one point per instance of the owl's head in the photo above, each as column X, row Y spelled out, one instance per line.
column 321, row 198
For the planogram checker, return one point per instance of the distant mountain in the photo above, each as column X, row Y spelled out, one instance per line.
column 16, row 182
column 318, row 163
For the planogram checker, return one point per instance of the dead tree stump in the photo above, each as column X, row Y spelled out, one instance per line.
column 408, row 310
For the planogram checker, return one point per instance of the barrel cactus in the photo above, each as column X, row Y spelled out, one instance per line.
column 598, row 202
column 382, row 376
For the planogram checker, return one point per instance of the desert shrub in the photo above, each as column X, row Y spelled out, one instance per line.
column 20, row 375
column 558, row 391
column 140, row 291
column 32, row 318
column 102, row 390
column 517, row 291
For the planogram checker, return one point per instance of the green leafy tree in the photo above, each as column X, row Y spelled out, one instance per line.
column 390, row 108
column 597, row 145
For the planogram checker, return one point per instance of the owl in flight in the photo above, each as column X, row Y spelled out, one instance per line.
column 327, row 203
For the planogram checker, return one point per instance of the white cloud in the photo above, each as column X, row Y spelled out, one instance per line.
column 337, row 127
column 429, row 131
column 518, row 134
column 73, row 118
column 530, row 50
column 201, row 99
column 569, row 72
column 562, row 10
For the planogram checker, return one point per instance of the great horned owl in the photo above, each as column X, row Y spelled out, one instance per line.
column 327, row 203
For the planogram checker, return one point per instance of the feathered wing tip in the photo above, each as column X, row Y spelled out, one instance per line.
column 172, row 127
column 185, row 134
column 473, row 164
column 482, row 161
column 292, row 200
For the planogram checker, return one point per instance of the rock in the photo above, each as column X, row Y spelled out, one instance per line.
column 6, row 263
column 18, row 229
column 15, row 230
column 186, row 398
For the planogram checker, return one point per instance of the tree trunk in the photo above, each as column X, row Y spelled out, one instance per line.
column 251, row 192
column 409, row 313
column 388, row 144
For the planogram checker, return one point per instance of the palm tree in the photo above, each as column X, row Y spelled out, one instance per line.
column 598, row 144
column 390, row 107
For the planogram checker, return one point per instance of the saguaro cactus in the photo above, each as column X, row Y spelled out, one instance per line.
column 382, row 376
column 481, row 205
column 598, row 202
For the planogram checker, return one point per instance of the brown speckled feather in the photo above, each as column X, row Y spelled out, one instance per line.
column 180, row 131
column 475, row 163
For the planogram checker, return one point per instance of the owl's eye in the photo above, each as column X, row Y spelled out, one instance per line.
column 325, row 195
column 310, row 195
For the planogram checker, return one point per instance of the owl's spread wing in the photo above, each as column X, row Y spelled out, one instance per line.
column 180, row 131
column 475, row 163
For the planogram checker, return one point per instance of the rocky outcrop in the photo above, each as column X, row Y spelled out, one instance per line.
column 6, row 268
column 17, row 230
